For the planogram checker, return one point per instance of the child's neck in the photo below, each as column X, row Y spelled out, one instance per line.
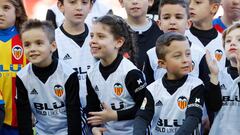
column 74, row 29
column 204, row 25
column 233, row 63
column 109, row 60
column 137, row 22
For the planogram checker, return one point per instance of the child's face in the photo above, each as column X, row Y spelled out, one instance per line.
column 75, row 11
column 178, row 60
column 37, row 47
column 232, row 43
column 202, row 10
column 231, row 8
column 7, row 14
column 136, row 8
column 173, row 18
column 103, row 44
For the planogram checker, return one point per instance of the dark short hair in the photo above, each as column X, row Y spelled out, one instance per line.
column 183, row 3
column 165, row 40
column 234, row 26
column 46, row 26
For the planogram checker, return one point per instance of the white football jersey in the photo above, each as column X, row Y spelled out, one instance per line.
column 227, row 120
column 114, row 93
column 215, row 48
column 79, row 58
column 47, row 100
column 170, row 109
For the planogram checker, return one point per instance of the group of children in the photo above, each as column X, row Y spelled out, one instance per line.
column 114, row 76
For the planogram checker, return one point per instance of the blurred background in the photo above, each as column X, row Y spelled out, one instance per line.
column 38, row 8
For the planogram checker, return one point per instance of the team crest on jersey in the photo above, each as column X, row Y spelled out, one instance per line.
column 17, row 52
column 218, row 54
column 58, row 89
column 118, row 89
column 182, row 102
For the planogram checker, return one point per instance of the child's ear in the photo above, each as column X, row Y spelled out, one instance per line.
column 60, row 6
column 150, row 3
column 159, row 23
column 53, row 46
column 120, row 42
column 188, row 24
column 214, row 8
column 161, row 63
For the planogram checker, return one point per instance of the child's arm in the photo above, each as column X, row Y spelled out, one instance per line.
column 73, row 105
column 2, row 111
column 144, row 115
column 193, row 112
column 136, row 87
column 24, row 113
column 213, row 95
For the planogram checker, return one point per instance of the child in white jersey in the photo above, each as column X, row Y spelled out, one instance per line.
column 46, row 87
column 72, row 39
column 178, row 96
column 228, row 118
column 114, row 81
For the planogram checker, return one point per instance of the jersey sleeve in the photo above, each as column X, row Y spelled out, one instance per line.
column 136, row 87
column 24, row 113
column 73, row 105
column 193, row 112
column 93, row 103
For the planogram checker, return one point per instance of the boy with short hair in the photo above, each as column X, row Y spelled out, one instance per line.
column 202, row 32
column 146, row 29
column 46, row 87
column 178, row 96
column 72, row 39
column 231, row 13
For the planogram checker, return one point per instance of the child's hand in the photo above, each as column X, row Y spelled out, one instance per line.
column 102, row 117
column 98, row 130
column 212, row 65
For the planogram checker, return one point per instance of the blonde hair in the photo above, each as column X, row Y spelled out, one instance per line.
column 234, row 26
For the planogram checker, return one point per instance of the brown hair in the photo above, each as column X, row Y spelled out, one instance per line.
column 46, row 26
column 165, row 40
column 20, row 12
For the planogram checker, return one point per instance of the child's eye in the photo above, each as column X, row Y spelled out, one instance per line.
column 26, row 44
column 6, row 7
column 228, row 41
column 91, row 35
column 72, row 1
column 198, row 2
column 166, row 17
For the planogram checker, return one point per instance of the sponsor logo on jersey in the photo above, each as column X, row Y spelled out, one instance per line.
column 182, row 102
column 67, row 57
column 118, row 89
column 17, row 52
column 58, row 89
column 34, row 92
column 159, row 103
column 223, row 87
column 96, row 88
column 218, row 54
